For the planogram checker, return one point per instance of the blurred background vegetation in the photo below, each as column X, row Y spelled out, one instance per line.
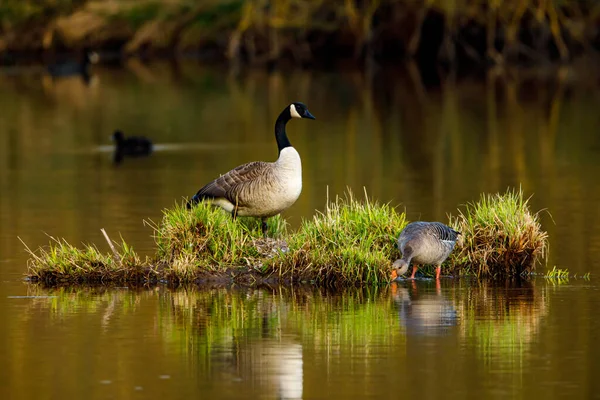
column 307, row 31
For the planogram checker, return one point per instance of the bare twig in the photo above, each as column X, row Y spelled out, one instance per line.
column 29, row 250
column 112, row 247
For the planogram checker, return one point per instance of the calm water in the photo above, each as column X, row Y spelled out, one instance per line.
column 428, row 150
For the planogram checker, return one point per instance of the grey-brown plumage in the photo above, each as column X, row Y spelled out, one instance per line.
column 261, row 189
column 229, row 185
column 424, row 243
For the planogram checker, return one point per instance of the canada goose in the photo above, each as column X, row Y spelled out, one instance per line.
column 424, row 243
column 67, row 68
column 261, row 189
column 133, row 146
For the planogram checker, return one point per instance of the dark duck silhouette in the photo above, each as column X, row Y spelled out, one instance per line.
column 132, row 146
column 71, row 67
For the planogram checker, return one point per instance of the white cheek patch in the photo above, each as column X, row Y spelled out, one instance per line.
column 294, row 112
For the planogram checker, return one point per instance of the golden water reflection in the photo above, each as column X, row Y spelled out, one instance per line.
column 279, row 342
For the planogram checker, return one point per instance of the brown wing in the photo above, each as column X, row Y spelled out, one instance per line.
column 225, row 186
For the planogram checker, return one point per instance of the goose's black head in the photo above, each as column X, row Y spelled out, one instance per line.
column 299, row 110
column 118, row 136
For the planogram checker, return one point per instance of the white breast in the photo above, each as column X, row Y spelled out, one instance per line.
column 289, row 174
column 278, row 189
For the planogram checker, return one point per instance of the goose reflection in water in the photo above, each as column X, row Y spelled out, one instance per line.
column 422, row 311
column 276, row 364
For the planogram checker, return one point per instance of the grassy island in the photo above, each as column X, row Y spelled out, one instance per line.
column 351, row 242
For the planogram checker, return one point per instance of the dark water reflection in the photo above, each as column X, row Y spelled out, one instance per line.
column 428, row 149
column 455, row 339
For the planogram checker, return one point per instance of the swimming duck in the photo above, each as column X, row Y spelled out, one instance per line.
column 67, row 68
column 132, row 146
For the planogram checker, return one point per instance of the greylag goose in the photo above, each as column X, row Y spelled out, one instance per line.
column 424, row 243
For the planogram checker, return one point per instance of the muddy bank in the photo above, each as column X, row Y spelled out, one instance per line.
column 147, row 275
column 303, row 33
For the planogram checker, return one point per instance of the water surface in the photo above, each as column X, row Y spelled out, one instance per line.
column 461, row 339
column 426, row 149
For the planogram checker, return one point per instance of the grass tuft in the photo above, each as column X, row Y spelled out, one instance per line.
column 207, row 239
column 558, row 273
column 352, row 242
column 587, row 276
column 500, row 237
column 61, row 261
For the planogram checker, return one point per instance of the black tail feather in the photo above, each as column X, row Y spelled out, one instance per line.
column 197, row 198
column 192, row 202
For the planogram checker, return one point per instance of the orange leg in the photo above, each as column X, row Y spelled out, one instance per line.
column 437, row 272
column 415, row 268
column 414, row 287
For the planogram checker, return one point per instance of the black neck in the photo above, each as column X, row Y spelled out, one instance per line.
column 280, row 135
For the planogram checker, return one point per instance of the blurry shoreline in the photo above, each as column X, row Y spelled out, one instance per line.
column 302, row 33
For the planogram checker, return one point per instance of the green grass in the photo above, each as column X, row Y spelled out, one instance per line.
column 562, row 275
column 60, row 261
column 351, row 242
column 208, row 240
column 558, row 273
column 500, row 237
